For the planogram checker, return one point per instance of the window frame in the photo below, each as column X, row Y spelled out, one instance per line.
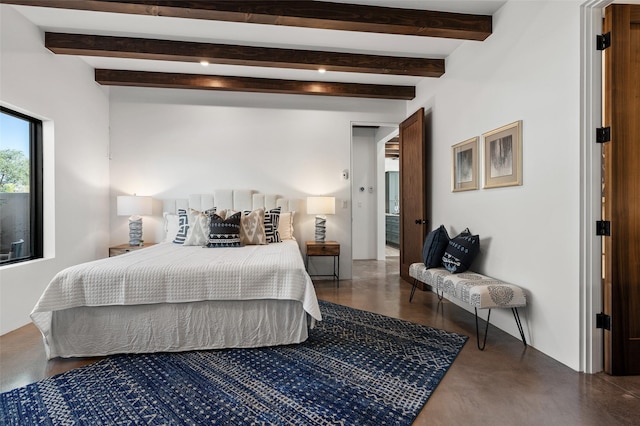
column 36, row 189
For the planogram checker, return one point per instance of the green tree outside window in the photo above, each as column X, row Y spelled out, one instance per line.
column 14, row 171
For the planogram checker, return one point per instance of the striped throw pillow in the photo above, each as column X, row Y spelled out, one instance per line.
column 271, row 221
column 183, row 227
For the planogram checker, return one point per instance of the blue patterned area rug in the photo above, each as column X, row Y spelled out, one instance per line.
column 356, row 367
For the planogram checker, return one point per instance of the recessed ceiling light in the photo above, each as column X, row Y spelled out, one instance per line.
column 204, row 63
column 322, row 70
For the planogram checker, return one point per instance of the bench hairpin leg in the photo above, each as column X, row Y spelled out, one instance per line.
column 519, row 324
column 413, row 290
column 486, row 329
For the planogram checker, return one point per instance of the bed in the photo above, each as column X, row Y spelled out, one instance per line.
column 175, row 297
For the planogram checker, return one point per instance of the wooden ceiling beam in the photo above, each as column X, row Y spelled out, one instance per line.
column 248, row 84
column 169, row 50
column 297, row 13
column 392, row 148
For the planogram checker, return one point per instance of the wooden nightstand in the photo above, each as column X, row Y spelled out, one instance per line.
column 325, row 248
column 126, row 248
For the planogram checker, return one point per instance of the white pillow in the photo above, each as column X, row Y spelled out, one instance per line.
column 171, row 226
column 285, row 227
column 198, row 233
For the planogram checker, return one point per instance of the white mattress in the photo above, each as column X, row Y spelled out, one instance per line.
column 174, row 274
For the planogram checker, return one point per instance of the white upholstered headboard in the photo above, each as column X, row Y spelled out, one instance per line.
column 235, row 199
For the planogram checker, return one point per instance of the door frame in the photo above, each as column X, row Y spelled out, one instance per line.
column 591, row 300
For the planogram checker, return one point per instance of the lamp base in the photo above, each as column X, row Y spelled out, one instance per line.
column 321, row 228
column 135, row 231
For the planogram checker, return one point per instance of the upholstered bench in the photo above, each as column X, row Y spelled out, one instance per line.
column 475, row 289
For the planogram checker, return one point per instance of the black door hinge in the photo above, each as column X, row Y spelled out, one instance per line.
column 603, row 321
column 603, row 227
column 603, row 134
column 603, row 41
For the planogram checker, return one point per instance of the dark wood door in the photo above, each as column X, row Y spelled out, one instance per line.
column 621, row 179
column 413, row 191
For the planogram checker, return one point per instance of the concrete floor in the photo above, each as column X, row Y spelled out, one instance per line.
column 504, row 385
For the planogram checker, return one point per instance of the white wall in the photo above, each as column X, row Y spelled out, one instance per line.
column 61, row 91
column 170, row 144
column 391, row 165
column 529, row 70
column 364, row 194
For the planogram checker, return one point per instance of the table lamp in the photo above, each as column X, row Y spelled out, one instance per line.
column 321, row 206
column 134, row 207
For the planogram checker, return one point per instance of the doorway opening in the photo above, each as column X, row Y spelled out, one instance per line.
column 392, row 196
column 370, row 201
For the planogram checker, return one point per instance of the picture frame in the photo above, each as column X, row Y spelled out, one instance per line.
column 502, row 151
column 464, row 167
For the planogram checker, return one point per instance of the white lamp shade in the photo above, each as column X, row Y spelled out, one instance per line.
column 321, row 205
column 133, row 205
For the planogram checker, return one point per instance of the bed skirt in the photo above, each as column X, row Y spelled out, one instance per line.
column 172, row 327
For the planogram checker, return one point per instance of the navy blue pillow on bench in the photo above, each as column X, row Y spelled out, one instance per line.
column 434, row 247
column 461, row 251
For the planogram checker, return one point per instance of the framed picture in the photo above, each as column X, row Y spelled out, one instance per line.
column 503, row 156
column 464, row 175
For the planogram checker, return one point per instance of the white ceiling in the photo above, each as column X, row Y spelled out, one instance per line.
column 74, row 21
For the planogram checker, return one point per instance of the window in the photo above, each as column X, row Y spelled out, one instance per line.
column 20, row 187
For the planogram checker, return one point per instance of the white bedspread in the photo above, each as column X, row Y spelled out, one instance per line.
column 170, row 273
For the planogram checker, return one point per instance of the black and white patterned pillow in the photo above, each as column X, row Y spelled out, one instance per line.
column 183, row 227
column 224, row 232
column 271, row 221
column 461, row 251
